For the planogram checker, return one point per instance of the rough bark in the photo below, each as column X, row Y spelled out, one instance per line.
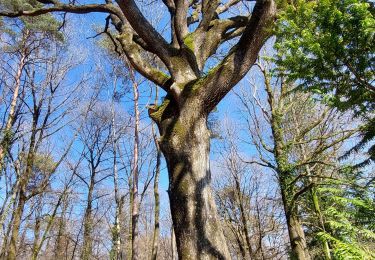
column 185, row 142
column 297, row 238
column 299, row 250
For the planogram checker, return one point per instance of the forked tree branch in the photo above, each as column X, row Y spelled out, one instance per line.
column 208, row 12
column 223, row 8
column 137, row 35
column 145, row 30
column 242, row 56
column 133, row 52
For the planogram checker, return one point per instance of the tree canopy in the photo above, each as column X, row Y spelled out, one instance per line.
column 328, row 48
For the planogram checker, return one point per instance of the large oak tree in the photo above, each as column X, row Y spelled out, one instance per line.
column 198, row 30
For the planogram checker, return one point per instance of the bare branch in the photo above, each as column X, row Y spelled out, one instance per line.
column 145, row 30
column 241, row 57
column 301, row 192
column 170, row 4
column 133, row 53
column 58, row 7
column 180, row 22
column 208, row 12
column 223, row 8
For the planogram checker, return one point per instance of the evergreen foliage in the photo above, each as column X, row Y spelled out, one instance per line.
column 349, row 210
column 43, row 24
column 328, row 47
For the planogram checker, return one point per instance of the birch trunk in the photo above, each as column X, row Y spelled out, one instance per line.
column 7, row 136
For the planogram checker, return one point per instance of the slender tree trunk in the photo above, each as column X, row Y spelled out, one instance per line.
column 296, row 233
column 245, row 224
column 38, row 245
column 315, row 199
column 5, row 142
column 155, row 241
column 22, row 198
column 135, row 204
column 7, row 206
column 60, row 239
column 130, row 221
column 75, row 243
column 87, row 231
column 117, row 226
column 22, row 250
column 260, row 232
column 186, row 146
column 12, row 252
column 240, row 243
column 36, row 238
column 5, row 243
column 118, row 217
column 297, row 238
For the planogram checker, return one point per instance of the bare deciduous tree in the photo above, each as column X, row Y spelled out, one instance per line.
column 304, row 138
column 248, row 202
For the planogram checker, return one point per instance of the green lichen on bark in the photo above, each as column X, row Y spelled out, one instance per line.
column 192, row 87
column 179, row 129
column 159, row 111
column 189, row 41
column 160, row 74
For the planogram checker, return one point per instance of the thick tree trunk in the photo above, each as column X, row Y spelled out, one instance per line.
column 297, row 238
column 186, row 146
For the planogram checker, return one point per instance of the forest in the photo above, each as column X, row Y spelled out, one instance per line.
column 187, row 129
